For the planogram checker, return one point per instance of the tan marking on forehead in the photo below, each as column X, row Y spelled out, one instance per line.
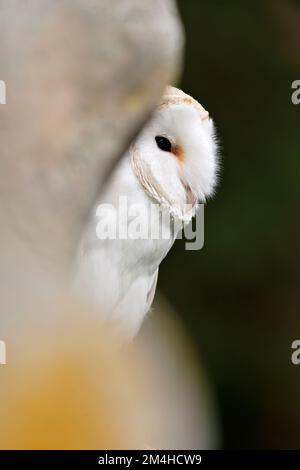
column 173, row 96
column 178, row 151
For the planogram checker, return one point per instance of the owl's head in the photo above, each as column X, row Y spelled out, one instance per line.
column 175, row 157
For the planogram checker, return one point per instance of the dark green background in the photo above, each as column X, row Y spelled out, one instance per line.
column 240, row 294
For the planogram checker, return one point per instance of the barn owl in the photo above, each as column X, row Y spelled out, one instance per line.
column 171, row 166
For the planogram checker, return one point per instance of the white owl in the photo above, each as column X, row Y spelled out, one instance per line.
column 170, row 167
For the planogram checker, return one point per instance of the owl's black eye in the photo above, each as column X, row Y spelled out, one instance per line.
column 163, row 143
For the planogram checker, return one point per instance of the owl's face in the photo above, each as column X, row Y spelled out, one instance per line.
column 175, row 156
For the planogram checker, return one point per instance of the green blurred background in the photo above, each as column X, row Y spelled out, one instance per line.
column 239, row 296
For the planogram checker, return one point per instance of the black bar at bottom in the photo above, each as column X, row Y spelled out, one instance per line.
column 132, row 459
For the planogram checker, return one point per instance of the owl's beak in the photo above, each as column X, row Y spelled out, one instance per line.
column 191, row 197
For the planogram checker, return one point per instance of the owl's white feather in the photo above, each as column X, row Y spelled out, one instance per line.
column 119, row 275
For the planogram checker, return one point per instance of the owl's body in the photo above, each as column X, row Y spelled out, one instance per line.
column 169, row 168
column 117, row 274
